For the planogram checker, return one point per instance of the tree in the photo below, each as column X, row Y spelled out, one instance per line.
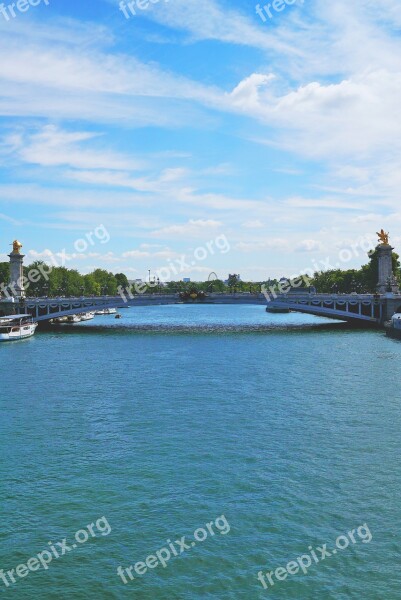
column 4, row 273
column 343, row 282
column 364, row 279
column 122, row 280
column 92, row 287
column 106, row 280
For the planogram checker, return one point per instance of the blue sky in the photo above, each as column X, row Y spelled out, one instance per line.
column 192, row 120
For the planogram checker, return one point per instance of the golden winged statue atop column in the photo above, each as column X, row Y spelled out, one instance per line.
column 383, row 237
column 17, row 246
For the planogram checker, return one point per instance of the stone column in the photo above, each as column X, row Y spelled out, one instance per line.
column 16, row 274
column 386, row 275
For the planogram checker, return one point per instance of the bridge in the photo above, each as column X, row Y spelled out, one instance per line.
column 45, row 309
column 365, row 310
column 356, row 309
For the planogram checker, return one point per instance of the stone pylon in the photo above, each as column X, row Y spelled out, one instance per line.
column 386, row 275
column 16, row 271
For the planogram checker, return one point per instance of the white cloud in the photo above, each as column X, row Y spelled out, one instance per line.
column 166, row 253
column 193, row 228
column 258, row 246
column 308, row 246
column 255, row 224
column 52, row 147
column 246, row 95
column 349, row 119
column 9, row 219
column 89, row 81
column 213, row 21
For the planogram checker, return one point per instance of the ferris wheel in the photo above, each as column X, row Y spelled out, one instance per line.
column 212, row 277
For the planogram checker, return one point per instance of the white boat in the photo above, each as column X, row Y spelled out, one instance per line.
column 87, row 316
column 393, row 327
column 16, row 327
column 73, row 319
column 106, row 311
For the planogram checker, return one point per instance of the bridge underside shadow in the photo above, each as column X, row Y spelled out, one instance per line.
column 356, row 319
column 46, row 309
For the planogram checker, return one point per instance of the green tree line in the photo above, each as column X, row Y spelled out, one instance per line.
column 353, row 280
column 60, row 281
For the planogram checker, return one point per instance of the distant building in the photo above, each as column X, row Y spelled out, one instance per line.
column 187, row 280
column 233, row 278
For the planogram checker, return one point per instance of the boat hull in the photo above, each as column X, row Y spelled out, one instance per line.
column 18, row 333
column 74, row 319
column 393, row 327
column 87, row 316
column 393, row 333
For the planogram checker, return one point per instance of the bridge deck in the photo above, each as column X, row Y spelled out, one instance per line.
column 44, row 309
column 354, row 308
column 367, row 309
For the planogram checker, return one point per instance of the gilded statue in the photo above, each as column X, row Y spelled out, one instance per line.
column 17, row 246
column 383, row 237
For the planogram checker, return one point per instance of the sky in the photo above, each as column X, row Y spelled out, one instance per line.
column 198, row 129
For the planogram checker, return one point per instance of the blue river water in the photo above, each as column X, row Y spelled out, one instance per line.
column 278, row 433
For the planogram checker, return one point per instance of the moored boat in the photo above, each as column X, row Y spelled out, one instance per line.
column 393, row 327
column 61, row 320
column 87, row 316
column 74, row 319
column 16, row 327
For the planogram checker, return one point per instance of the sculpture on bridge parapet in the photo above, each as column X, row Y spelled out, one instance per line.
column 387, row 280
column 383, row 237
column 16, row 271
column 16, row 246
